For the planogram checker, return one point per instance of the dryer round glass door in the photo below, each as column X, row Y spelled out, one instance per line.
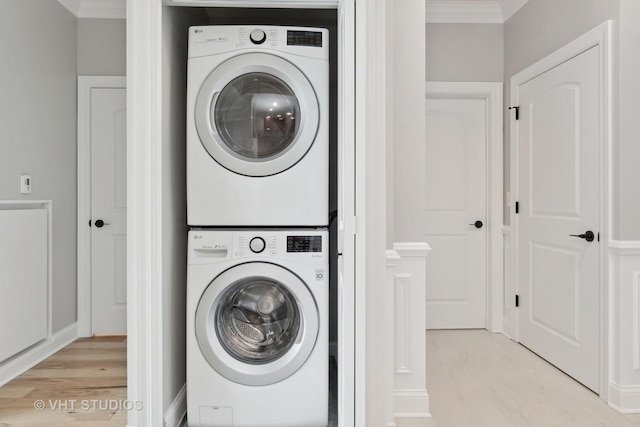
column 257, row 114
column 257, row 323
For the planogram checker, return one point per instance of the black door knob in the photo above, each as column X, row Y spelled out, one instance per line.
column 100, row 223
column 477, row 224
column 588, row 236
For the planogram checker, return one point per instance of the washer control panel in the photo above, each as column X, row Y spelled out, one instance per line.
column 281, row 244
column 208, row 246
column 248, row 244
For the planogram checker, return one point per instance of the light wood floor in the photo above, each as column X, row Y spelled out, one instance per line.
column 479, row 379
column 474, row 378
column 87, row 376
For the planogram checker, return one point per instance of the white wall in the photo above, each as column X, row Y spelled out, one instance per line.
column 464, row 52
column 38, row 126
column 390, row 89
column 102, row 49
column 408, row 99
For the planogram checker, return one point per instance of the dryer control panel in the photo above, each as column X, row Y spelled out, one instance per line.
column 217, row 39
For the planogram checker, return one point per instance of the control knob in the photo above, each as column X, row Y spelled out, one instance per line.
column 257, row 245
column 258, row 36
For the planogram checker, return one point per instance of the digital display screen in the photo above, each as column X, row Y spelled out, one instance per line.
column 304, row 243
column 304, row 38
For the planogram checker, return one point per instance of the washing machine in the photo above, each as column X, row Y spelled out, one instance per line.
column 257, row 126
column 257, row 328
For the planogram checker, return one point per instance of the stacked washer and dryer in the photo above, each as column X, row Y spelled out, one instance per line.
column 257, row 205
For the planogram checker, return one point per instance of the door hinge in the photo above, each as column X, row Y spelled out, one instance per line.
column 517, row 112
column 517, row 301
column 517, row 207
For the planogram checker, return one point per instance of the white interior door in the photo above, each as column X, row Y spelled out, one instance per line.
column 558, row 193
column 108, row 211
column 456, row 197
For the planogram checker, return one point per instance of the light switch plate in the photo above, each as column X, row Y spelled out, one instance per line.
column 25, row 184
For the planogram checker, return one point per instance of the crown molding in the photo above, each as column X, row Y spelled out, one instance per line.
column 463, row 11
column 72, row 6
column 105, row 9
column 510, row 7
column 471, row 11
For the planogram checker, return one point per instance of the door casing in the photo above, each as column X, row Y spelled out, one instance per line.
column 600, row 36
column 491, row 93
column 144, row 256
column 85, row 85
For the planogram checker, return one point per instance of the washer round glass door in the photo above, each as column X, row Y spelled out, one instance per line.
column 257, row 114
column 256, row 323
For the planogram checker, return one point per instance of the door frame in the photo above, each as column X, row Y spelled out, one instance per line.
column 360, row 73
column 600, row 36
column 491, row 93
column 85, row 85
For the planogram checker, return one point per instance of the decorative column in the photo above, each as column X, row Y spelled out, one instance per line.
column 408, row 277
column 624, row 324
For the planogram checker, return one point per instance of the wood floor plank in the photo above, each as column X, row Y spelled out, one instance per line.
column 75, row 372
column 84, row 384
column 14, row 391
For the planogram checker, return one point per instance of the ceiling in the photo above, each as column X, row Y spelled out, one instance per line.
column 437, row 11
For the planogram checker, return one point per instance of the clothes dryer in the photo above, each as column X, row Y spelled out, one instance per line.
column 257, row 328
column 257, row 126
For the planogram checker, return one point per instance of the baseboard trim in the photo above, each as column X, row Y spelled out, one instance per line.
column 175, row 415
column 22, row 363
column 624, row 399
column 411, row 404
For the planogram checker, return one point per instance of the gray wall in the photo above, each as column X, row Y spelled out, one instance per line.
column 453, row 52
column 543, row 26
column 464, row 52
column 102, row 47
column 539, row 28
column 627, row 217
column 38, row 54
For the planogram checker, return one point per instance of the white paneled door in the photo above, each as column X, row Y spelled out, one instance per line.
column 108, row 211
column 558, row 134
column 455, row 220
